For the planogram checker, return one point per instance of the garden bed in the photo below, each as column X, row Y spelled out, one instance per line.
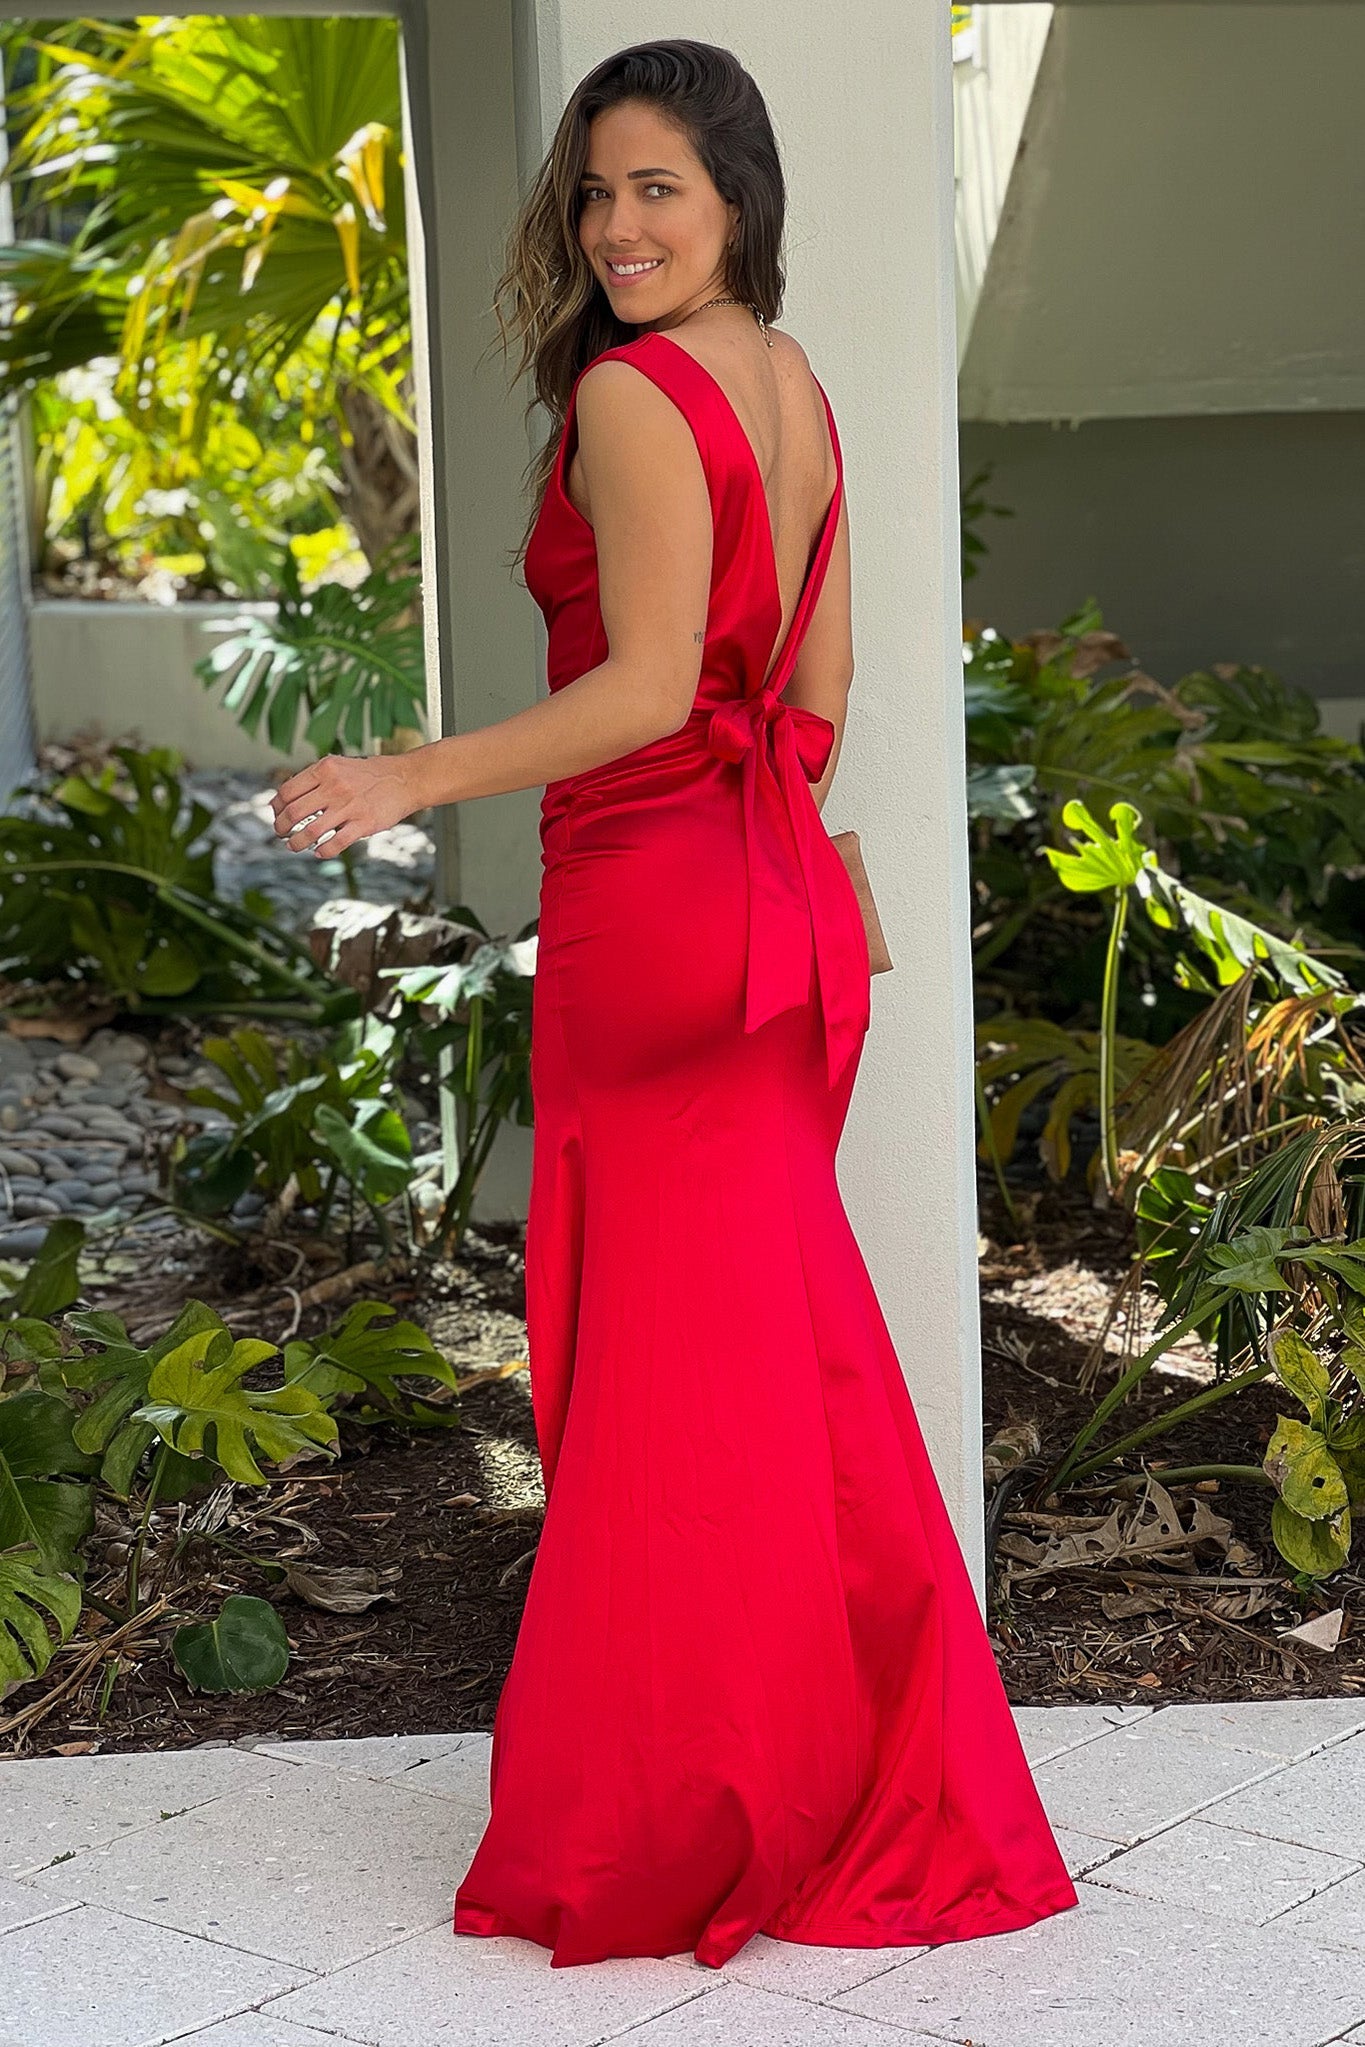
column 447, row 1520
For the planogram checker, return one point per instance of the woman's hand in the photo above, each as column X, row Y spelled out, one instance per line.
column 341, row 798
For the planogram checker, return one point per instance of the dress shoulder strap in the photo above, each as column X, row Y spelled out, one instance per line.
column 680, row 378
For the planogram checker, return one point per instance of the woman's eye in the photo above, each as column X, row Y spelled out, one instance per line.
column 591, row 191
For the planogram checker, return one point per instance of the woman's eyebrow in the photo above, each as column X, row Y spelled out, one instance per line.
column 657, row 171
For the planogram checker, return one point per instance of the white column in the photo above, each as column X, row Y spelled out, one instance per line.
column 485, row 638
column 862, row 107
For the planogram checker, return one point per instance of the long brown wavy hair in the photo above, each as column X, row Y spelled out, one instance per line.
column 548, row 298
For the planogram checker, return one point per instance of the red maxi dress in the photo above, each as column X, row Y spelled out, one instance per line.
column 752, row 1689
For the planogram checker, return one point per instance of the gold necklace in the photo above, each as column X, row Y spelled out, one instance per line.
column 739, row 302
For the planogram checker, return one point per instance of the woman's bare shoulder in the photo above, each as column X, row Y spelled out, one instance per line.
column 632, row 435
column 612, row 385
column 794, row 353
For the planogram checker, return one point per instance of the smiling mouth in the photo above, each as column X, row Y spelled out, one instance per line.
column 629, row 270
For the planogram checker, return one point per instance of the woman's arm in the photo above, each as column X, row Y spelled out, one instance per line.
column 651, row 517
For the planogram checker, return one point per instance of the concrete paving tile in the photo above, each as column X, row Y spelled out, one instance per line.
column 19, row 1904
column 1216, row 1869
column 316, row 1867
column 1335, row 1918
column 1319, row 1802
column 252, row 2029
column 92, row 1978
column 375, row 1755
column 1083, row 1852
column 798, row 1969
column 1271, row 1727
column 1134, row 1780
column 1046, row 1731
column 444, row 1989
column 738, row 2015
column 461, row 1775
column 53, row 1804
column 1121, row 1971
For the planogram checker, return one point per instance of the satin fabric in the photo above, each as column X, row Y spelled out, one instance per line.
column 752, row 1688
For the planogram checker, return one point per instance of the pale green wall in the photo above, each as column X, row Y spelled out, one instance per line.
column 1239, row 538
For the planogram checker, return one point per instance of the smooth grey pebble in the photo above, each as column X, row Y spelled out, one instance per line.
column 22, row 1243
column 57, row 1124
column 75, row 1066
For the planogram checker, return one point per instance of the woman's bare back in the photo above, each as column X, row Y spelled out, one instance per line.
column 774, row 398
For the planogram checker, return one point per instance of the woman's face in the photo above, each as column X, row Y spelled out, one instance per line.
column 647, row 198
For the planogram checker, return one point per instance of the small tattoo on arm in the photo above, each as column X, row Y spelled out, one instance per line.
column 700, row 638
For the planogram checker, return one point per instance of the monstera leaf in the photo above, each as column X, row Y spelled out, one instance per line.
column 27, row 1588
column 38, row 1505
column 198, row 1406
column 118, row 1376
column 1230, row 943
column 362, row 1355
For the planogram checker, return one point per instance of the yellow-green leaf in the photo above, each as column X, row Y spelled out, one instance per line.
column 1317, row 1547
column 1304, row 1472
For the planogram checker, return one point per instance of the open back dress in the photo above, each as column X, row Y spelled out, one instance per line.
column 752, row 1688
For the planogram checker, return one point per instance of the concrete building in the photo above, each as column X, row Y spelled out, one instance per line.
column 1160, row 327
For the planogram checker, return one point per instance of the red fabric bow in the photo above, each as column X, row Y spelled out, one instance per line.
column 780, row 748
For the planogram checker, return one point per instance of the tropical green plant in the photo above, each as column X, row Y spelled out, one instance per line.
column 349, row 662
column 1310, row 1187
column 1260, row 1269
column 45, row 1509
column 317, row 1120
column 364, row 1355
column 241, row 184
column 29, row 1591
column 89, row 1409
column 181, row 1399
column 245, row 1649
column 1292, row 1290
column 973, row 507
column 99, row 885
column 49, row 1283
column 1034, row 1058
column 473, row 1022
column 1318, row 1466
column 211, row 512
column 1176, row 1099
column 1247, row 801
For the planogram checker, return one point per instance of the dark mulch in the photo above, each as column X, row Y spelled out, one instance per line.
column 1074, row 1636
column 448, row 1520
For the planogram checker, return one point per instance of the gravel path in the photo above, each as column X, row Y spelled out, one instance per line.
column 392, row 866
column 80, row 1130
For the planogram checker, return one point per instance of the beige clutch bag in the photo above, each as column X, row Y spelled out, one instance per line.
column 850, row 852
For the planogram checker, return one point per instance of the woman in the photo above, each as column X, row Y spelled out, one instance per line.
column 752, row 1689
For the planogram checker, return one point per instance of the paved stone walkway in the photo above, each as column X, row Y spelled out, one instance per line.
column 297, row 1894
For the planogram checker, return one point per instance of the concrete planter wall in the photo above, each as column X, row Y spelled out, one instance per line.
column 129, row 669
